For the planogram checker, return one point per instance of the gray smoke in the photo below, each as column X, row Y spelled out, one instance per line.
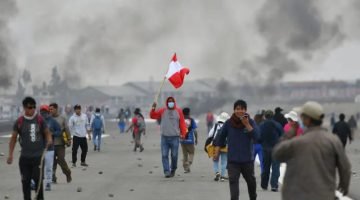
column 141, row 36
column 8, row 10
column 117, row 41
column 294, row 30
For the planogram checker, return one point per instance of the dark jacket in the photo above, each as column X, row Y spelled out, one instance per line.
column 279, row 117
column 239, row 140
column 343, row 131
column 270, row 133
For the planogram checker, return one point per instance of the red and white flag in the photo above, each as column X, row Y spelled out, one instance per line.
column 176, row 72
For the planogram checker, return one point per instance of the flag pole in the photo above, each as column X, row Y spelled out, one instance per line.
column 157, row 95
column 159, row 91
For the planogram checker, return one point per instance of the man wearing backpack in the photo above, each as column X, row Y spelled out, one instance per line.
column 270, row 133
column 34, row 138
column 173, row 127
column 191, row 139
column 97, row 122
column 138, row 127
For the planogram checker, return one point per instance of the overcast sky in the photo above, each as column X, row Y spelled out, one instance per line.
column 113, row 41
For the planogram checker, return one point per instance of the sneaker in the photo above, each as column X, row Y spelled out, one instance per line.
column 274, row 190
column 172, row 173
column 217, row 176
column 73, row 165
column 98, row 149
column 264, row 188
column 95, row 147
column 68, row 178
column 167, row 175
column 84, row 164
column 187, row 171
column 222, row 179
column 54, row 180
column 48, row 187
column 141, row 149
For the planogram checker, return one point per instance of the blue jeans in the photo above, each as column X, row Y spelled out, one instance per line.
column 97, row 138
column 258, row 151
column 223, row 160
column 269, row 162
column 169, row 143
column 122, row 126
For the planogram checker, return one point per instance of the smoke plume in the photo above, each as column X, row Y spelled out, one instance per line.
column 8, row 10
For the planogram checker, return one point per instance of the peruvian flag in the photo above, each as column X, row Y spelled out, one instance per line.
column 176, row 72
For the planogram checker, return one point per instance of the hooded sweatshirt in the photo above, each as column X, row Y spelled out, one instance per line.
column 172, row 120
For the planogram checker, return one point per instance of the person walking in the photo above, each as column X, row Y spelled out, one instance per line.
column 97, row 124
column 209, row 120
column 78, row 124
column 34, row 138
column 173, row 128
column 138, row 128
column 270, row 133
column 121, row 118
column 55, row 130
column 353, row 124
column 313, row 159
column 239, row 132
column 60, row 144
column 258, row 150
column 279, row 117
column 220, row 172
column 189, row 142
column 342, row 130
column 293, row 126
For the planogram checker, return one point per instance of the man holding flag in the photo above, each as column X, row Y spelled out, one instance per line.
column 173, row 126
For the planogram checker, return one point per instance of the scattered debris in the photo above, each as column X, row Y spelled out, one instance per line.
column 140, row 165
column 84, row 169
column 2, row 154
column 111, row 195
column 150, row 172
column 6, row 197
column 156, row 167
column 79, row 189
column 131, row 190
column 139, row 159
column 100, row 172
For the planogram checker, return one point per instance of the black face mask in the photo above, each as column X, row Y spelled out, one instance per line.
column 44, row 114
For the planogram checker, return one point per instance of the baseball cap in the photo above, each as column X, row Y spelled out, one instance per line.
column 312, row 109
column 45, row 108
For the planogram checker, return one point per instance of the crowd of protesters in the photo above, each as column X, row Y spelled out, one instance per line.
column 234, row 141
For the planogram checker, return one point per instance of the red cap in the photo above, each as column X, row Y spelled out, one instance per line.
column 45, row 107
